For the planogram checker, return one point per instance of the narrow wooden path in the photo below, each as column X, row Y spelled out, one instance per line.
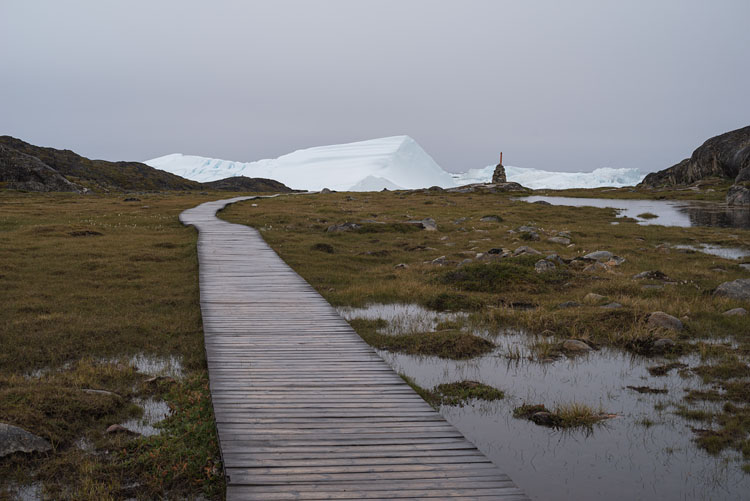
column 305, row 409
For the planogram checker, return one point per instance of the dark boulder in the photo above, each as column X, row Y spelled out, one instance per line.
column 722, row 156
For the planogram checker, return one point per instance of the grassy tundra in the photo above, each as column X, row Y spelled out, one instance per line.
column 86, row 284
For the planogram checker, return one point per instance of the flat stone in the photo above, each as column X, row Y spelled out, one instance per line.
column 661, row 320
column 736, row 289
column 599, row 255
column 613, row 305
column 555, row 259
column 427, row 224
column 490, row 219
column 569, row 304
column 593, row 298
column 401, row 266
column 615, row 261
column 543, row 266
column 439, row 260
column 559, row 240
column 524, row 250
column 575, row 345
column 595, row 267
column 118, row 428
column 739, row 312
column 15, row 439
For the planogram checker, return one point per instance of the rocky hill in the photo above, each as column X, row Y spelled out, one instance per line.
column 24, row 166
column 723, row 156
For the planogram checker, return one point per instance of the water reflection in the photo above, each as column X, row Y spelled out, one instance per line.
column 667, row 212
column 644, row 453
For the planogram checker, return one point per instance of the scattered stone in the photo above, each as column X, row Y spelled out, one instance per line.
column 599, row 255
column 542, row 202
column 575, row 346
column 428, row 224
column 131, row 199
column 569, row 304
column 530, row 235
column 615, row 261
column 491, row 219
column 663, row 344
column 118, row 428
column 337, row 228
column 555, row 259
column 565, row 234
column 661, row 320
column 524, row 250
column 596, row 267
column 460, row 220
column 559, row 240
column 736, row 289
column 613, row 305
column 401, row 266
column 439, row 261
column 652, row 275
column 15, row 439
column 646, row 389
column 527, row 229
column 543, row 266
column 593, row 298
column 736, row 312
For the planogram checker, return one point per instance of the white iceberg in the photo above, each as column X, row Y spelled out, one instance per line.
column 396, row 162
column 392, row 163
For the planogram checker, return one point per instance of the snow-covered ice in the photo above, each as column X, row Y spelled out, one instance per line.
column 541, row 179
column 397, row 162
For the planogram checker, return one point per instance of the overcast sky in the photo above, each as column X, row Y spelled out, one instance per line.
column 557, row 85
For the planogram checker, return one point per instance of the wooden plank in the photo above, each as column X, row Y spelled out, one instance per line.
column 304, row 408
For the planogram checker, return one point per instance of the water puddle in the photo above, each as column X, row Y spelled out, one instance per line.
column 644, row 453
column 667, row 212
column 716, row 250
column 153, row 412
column 170, row 366
column 401, row 318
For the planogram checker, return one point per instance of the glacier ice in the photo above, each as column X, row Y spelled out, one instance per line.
column 396, row 162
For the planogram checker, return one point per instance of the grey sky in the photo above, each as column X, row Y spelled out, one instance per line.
column 555, row 85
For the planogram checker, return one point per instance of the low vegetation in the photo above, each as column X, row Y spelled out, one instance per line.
column 89, row 287
column 459, row 393
column 571, row 415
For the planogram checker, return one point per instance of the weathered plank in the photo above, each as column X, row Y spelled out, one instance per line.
column 304, row 408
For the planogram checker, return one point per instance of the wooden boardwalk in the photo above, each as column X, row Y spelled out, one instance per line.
column 305, row 409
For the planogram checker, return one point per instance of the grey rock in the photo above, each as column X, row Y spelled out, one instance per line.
column 401, row 266
column 555, row 259
column 25, row 172
column 745, row 266
column 652, row 275
column 663, row 344
column 739, row 312
column 661, row 320
column 118, row 428
column 736, row 289
column 101, row 392
column 615, row 261
column 612, row 306
column 599, row 255
column 524, row 250
column 15, row 439
column 439, row 260
column 743, row 176
column 559, row 240
column 543, row 266
column 576, row 346
column 593, row 298
column 337, row 228
column 652, row 287
column 564, row 234
column 542, row 202
column 465, row 262
column 490, row 219
column 428, row 224
column 724, row 156
column 569, row 304
column 596, row 267
column 738, row 195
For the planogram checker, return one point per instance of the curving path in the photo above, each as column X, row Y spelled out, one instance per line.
column 304, row 408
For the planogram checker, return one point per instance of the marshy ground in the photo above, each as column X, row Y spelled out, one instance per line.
column 496, row 302
column 91, row 286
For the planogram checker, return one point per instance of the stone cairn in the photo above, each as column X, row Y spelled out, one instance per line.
column 499, row 175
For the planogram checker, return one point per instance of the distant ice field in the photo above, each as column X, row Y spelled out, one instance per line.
column 396, row 162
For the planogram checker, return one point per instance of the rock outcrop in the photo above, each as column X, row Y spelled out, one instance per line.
column 723, row 156
column 15, row 439
column 243, row 183
column 19, row 171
